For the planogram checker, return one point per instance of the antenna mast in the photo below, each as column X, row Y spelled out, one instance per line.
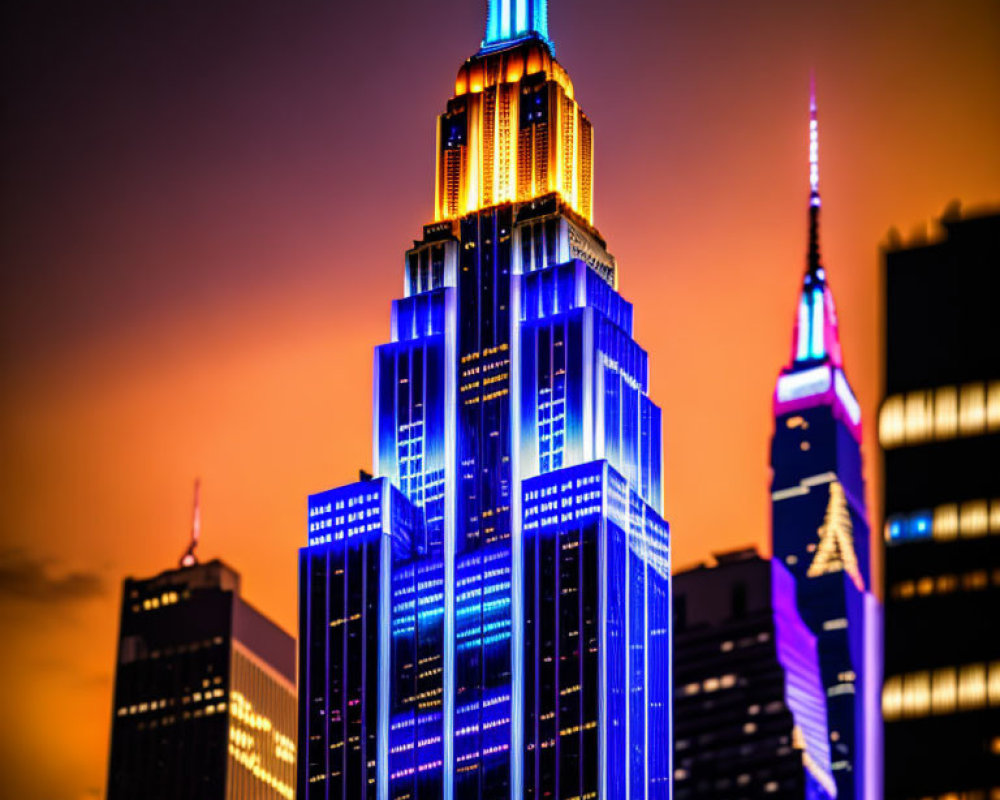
column 189, row 559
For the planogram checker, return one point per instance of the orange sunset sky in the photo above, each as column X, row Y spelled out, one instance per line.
column 205, row 209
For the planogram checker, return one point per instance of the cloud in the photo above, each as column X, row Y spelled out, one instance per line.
column 24, row 577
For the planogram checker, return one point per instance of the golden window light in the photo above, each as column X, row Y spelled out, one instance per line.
column 946, row 412
column 916, row 694
column 993, row 406
column 945, row 524
column 944, row 691
column 972, row 409
column 972, row 686
column 919, row 417
column 973, row 519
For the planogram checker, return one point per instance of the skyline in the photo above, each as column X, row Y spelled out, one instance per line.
column 283, row 368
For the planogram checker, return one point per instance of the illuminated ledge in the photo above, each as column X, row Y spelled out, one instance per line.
column 533, row 36
column 821, row 385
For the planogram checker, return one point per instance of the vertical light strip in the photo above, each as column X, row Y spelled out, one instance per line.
column 818, row 345
column 440, row 204
column 505, row 18
column 670, row 663
column 628, row 643
column 385, row 638
column 376, row 420
column 522, row 17
column 813, row 145
column 602, row 678
column 872, row 688
column 645, row 647
column 474, row 154
column 802, row 352
column 450, row 512
column 492, row 21
column 517, row 550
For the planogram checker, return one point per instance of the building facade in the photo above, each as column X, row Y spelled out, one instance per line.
column 518, row 641
column 204, row 701
column 939, row 427
column 819, row 520
column 749, row 703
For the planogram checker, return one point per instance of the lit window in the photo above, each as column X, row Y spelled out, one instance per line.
column 944, row 691
column 946, row 522
column 916, row 694
column 993, row 406
column 972, row 409
column 972, row 686
column 939, row 414
column 919, row 417
column 946, row 413
column 892, row 422
column 973, row 519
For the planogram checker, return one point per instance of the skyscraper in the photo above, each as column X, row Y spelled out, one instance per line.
column 520, row 625
column 819, row 519
column 750, row 705
column 940, row 429
column 204, row 702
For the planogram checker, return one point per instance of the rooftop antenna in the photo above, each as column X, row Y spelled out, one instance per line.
column 189, row 559
column 813, row 144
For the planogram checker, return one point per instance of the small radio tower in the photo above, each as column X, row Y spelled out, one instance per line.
column 189, row 559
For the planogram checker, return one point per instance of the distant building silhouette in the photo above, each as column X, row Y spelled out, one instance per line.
column 940, row 430
column 749, row 705
column 204, row 700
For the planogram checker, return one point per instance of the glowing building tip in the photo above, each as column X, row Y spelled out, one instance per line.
column 509, row 21
column 813, row 145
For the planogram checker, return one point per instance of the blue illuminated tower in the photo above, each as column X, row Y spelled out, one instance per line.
column 820, row 522
column 489, row 616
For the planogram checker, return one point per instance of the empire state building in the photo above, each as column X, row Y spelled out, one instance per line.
column 489, row 615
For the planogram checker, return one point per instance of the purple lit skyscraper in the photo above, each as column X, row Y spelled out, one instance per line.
column 820, row 521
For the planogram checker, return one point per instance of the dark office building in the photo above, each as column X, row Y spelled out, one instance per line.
column 749, row 706
column 204, row 703
column 940, row 430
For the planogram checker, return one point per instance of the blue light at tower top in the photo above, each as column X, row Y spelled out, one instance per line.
column 511, row 21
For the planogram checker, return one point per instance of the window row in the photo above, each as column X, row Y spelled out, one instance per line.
column 939, row 414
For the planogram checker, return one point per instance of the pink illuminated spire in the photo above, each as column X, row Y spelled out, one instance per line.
column 813, row 144
column 816, row 337
column 189, row 559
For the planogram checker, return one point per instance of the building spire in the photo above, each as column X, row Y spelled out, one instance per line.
column 816, row 334
column 189, row 559
column 509, row 21
column 814, row 200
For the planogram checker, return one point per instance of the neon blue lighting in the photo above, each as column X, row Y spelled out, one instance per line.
column 511, row 21
column 818, row 346
column 910, row 527
column 458, row 651
column 802, row 350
